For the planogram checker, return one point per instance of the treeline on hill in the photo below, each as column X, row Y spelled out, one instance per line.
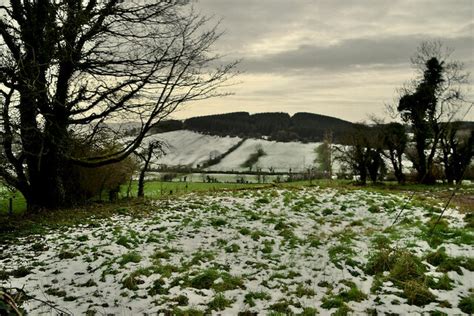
column 305, row 127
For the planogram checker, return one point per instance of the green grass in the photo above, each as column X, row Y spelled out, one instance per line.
column 467, row 304
column 252, row 296
column 18, row 203
column 219, row 302
column 158, row 189
column 161, row 189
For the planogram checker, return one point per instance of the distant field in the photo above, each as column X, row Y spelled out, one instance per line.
column 161, row 189
column 153, row 189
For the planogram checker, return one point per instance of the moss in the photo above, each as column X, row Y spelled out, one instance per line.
column 267, row 246
column 309, row 311
column 252, row 296
column 89, row 283
column 218, row 222
column 131, row 282
column 219, row 302
column 133, row 256
column 302, row 290
column 232, row 248
column 445, row 263
column 340, row 254
column 342, row 311
column 380, row 261
column 21, row 272
column 159, row 254
column 67, row 255
column 331, row 301
column 353, row 294
column 206, row 280
column 417, row 293
column 282, row 306
column 56, row 292
column 444, row 283
column 158, row 288
column 466, row 304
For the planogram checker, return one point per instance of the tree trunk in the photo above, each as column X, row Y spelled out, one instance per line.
column 141, row 184
column 51, row 183
column 141, row 178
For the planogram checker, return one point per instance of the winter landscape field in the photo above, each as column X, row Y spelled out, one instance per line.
column 276, row 251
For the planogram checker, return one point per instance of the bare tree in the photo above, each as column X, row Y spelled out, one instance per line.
column 362, row 153
column 394, row 140
column 154, row 148
column 457, row 149
column 69, row 66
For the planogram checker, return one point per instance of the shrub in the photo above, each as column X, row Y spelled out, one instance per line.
column 380, row 261
column 94, row 182
column 253, row 158
column 407, row 267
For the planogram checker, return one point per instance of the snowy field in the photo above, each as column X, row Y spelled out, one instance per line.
column 281, row 157
column 186, row 148
column 268, row 252
column 191, row 149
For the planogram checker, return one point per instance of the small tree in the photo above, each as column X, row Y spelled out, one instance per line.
column 324, row 155
column 155, row 148
column 363, row 153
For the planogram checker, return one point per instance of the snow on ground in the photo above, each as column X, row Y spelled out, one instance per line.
column 274, row 250
column 186, row 148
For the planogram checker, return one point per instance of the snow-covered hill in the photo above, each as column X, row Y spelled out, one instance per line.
column 186, row 148
column 192, row 149
column 279, row 156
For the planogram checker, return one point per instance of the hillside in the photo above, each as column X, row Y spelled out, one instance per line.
column 279, row 156
column 187, row 148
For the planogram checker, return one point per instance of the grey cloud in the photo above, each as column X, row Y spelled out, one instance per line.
column 365, row 52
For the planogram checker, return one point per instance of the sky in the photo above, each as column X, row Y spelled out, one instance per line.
column 340, row 58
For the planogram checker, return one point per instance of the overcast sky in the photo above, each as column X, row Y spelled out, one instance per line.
column 335, row 57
